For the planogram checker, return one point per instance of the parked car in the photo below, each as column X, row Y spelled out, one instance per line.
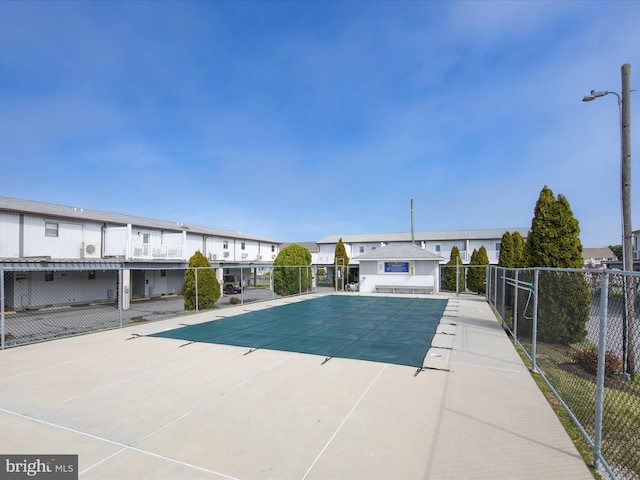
column 232, row 284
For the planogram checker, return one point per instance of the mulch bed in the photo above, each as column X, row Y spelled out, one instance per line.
column 615, row 383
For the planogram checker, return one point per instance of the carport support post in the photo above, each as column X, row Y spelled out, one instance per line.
column 121, row 295
column 242, row 285
column 602, row 348
column 2, row 308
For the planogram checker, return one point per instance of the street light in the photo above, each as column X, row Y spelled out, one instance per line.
column 591, row 96
column 594, row 94
column 624, row 109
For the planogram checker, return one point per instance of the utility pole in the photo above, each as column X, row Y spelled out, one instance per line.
column 630, row 290
column 413, row 240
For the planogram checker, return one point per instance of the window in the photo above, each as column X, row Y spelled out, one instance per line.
column 242, row 245
column 225, row 244
column 273, row 248
column 438, row 248
column 92, row 274
column 48, row 276
column 163, row 273
column 361, row 249
column 50, row 229
column 497, row 246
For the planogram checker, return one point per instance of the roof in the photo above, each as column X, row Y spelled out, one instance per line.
column 62, row 211
column 399, row 252
column 603, row 252
column 311, row 246
column 484, row 234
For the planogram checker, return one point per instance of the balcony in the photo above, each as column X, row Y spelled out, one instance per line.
column 148, row 251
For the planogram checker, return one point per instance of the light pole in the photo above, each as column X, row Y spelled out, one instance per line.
column 624, row 111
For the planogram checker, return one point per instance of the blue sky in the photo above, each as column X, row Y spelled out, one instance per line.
column 296, row 120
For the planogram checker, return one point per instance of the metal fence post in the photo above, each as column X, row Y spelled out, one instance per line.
column 534, row 334
column 488, row 280
column 504, row 287
column 242, row 285
column 2, row 330
column 495, row 289
column 515, row 307
column 602, row 348
column 196, row 280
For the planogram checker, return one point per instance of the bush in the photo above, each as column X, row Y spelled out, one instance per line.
column 477, row 276
column 588, row 359
column 208, row 285
column 453, row 266
column 234, row 300
column 291, row 270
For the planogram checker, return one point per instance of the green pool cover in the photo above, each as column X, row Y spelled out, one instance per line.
column 380, row 329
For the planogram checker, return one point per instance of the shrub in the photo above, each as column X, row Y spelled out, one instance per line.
column 234, row 300
column 452, row 268
column 476, row 276
column 291, row 270
column 208, row 285
column 563, row 298
column 588, row 359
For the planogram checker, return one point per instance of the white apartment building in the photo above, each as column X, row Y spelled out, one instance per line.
column 439, row 243
column 52, row 238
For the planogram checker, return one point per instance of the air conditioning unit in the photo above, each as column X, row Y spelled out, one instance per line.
column 212, row 256
column 244, row 256
column 89, row 250
column 226, row 255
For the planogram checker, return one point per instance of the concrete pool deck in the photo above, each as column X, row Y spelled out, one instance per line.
column 138, row 407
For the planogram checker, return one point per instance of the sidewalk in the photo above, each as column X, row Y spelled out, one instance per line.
column 135, row 407
column 494, row 421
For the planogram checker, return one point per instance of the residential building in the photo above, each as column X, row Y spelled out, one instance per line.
column 598, row 257
column 156, row 252
column 438, row 242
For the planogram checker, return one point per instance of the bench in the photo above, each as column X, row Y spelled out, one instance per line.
column 403, row 289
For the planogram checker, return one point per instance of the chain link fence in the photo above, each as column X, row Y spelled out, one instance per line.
column 463, row 278
column 580, row 331
column 46, row 303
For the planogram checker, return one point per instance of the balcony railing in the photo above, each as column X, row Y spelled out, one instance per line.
column 147, row 251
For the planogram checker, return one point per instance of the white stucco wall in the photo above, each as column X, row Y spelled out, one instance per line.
column 422, row 273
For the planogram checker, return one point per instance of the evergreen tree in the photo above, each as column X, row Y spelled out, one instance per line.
column 554, row 239
column 507, row 254
column 563, row 297
column 208, row 285
column 518, row 250
column 341, row 259
column 477, row 275
column 292, row 271
column 451, row 271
